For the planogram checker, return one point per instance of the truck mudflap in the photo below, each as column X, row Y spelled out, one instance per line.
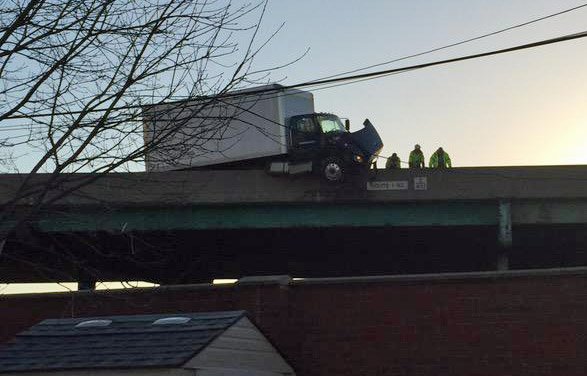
column 368, row 140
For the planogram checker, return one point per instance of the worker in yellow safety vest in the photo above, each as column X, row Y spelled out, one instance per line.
column 440, row 159
column 416, row 159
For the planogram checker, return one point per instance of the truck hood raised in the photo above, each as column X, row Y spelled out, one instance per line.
column 368, row 140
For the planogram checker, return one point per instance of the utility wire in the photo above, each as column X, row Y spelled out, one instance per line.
column 352, row 78
column 376, row 74
column 459, row 43
column 545, row 42
column 410, row 56
column 356, row 78
column 335, row 82
column 238, row 106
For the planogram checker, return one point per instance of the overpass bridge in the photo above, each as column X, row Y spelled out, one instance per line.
column 188, row 226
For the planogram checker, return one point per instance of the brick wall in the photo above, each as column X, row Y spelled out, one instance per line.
column 482, row 324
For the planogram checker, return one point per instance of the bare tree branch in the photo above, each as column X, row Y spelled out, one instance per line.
column 76, row 76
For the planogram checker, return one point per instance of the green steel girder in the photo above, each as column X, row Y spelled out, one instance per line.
column 272, row 216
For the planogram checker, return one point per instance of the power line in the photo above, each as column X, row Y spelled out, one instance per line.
column 317, row 81
column 357, row 77
column 544, row 42
column 237, row 106
column 460, row 42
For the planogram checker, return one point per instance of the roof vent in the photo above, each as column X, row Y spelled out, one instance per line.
column 171, row 320
column 93, row 323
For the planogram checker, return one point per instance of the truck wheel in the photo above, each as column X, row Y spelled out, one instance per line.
column 333, row 170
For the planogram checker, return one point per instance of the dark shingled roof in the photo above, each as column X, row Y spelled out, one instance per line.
column 128, row 342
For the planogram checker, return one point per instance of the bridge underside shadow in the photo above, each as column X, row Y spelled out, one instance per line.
column 190, row 256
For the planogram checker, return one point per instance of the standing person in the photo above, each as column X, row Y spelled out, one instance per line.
column 440, row 159
column 393, row 162
column 417, row 158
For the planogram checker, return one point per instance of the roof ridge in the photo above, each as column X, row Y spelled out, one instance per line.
column 137, row 317
column 112, row 331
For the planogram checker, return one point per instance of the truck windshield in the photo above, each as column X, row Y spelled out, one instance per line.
column 330, row 123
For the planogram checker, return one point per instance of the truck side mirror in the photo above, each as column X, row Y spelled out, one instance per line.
column 347, row 125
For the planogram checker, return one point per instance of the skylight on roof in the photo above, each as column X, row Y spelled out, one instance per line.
column 93, row 323
column 171, row 320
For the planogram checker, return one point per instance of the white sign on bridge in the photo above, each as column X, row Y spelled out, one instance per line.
column 397, row 185
column 421, row 183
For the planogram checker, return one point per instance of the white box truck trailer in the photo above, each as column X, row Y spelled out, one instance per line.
column 266, row 126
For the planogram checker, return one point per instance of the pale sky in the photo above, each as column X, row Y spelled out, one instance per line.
column 524, row 108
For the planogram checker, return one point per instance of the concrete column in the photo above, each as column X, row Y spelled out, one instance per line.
column 504, row 234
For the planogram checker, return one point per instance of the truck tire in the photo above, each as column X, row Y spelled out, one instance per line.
column 333, row 170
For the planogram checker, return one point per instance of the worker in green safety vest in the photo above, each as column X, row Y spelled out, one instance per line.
column 416, row 159
column 440, row 159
